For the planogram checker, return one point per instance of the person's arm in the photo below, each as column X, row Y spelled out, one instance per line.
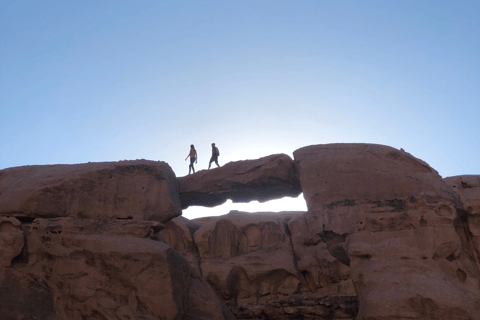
column 196, row 157
column 187, row 157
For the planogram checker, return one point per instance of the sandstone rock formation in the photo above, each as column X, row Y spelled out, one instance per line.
column 106, row 269
column 178, row 233
column 11, row 240
column 262, row 179
column 249, row 259
column 468, row 189
column 146, row 190
column 384, row 237
column 394, row 218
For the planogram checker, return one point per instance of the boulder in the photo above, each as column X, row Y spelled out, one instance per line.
column 109, row 269
column 145, row 190
column 389, row 217
column 262, row 179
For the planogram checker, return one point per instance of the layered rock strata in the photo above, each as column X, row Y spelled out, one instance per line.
column 145, row 190
column 391, row 218
column 251, row 261
column 263, row 179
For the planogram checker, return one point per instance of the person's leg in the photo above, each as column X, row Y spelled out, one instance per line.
column 192, row 161
column 210, row 163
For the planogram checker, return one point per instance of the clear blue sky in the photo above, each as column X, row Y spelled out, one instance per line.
column 111, row 80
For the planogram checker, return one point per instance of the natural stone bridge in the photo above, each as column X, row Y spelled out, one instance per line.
column 384, row 237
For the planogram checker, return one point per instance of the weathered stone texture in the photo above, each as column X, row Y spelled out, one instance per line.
column 112, row 269
column 11, row 240
column 21, row 297
column 146, row 190
column 468, row 189
column 263, row 179
column 178, row 233
column 385, row 237
column 250, row 261
column 392, row 219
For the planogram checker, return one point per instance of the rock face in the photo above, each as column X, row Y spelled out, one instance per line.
column 11, row 240
column 145, row 190
column 262, row 179
column 468, row 189
column 392, row 219
column 82, row 242
column 105, row 269
column 250, row 260
column 384, row 237
column 178, row 233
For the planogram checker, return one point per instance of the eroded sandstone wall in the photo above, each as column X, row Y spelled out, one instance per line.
column 256, row 264
column 81, row 242
column 384, row 237
column 467, row 187
column 392, row 219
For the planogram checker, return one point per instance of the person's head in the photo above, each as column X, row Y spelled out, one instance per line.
column 191, row 146
column 213, row 144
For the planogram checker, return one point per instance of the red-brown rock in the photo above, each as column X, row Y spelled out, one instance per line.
column 11, row 240
column 178, row 233
column 392, row 219
column 250, row 261
column 263, row 179
column 468, row 189
column 107, row 269
column 146, row 190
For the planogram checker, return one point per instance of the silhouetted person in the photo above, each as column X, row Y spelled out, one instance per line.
column 193, row 158
column 215, row 154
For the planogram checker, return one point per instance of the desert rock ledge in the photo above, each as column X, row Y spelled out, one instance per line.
column 141, row 189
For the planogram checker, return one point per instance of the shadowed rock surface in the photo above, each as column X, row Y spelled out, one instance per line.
column 392, row 219
column 250, row 260
column 468, row 189
column 106, row 269
column 145, row 190
column 262, row 179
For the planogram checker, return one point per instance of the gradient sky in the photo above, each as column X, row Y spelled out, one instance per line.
column 111, row 80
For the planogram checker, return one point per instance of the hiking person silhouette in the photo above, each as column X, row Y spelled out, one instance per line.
column 193, row 158
column 215, row 154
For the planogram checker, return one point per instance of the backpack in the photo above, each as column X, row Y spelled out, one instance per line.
column 215, row 151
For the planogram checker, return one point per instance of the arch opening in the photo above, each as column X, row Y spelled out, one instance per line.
column 277, row 205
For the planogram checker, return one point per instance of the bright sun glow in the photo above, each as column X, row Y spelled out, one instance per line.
column 284, row 204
